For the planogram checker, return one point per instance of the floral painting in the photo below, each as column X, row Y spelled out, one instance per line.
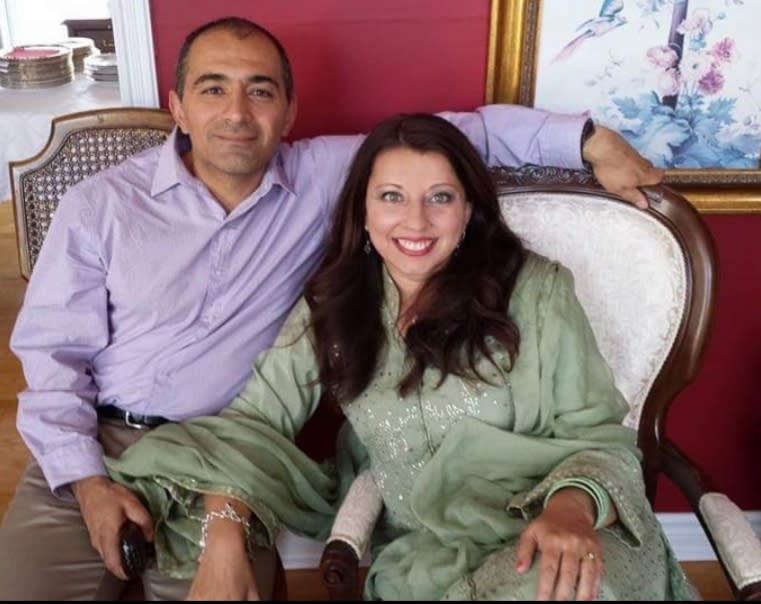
column 680, row 79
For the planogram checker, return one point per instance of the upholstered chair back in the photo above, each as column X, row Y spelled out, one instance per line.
column 646, row 280
column 630, row 276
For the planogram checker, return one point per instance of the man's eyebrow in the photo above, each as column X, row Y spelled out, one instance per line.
column 220, row 77
column 209, row 77
column 263, row 79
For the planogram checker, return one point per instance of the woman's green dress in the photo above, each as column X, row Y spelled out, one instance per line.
column 462, row 467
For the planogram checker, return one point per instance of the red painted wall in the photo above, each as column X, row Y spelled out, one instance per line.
column 717, row 419
column 357, row 62
column 354, row 62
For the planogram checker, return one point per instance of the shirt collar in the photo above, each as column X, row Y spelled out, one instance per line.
column 167, row 171
column 171, row 170
column 275, row 174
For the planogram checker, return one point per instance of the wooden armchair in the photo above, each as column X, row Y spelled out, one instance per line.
column 82, row 144
column 647, row 280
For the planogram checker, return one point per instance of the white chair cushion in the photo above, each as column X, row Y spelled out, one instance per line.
column 630, row 277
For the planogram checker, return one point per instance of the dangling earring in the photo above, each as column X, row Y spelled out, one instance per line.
column 368, row 246
column 462, row 238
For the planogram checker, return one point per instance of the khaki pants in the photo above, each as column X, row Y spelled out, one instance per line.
column 45, row 551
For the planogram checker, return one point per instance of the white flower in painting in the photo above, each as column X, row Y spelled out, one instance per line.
column 668, row 82
column 662, row 56
column 697, row 23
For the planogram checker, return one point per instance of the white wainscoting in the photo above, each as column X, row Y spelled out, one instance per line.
column 682, row 530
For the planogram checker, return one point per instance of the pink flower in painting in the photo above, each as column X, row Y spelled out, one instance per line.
column 698, row 22
column 696, row 65
column 668, row 82
column 711, row 82
column 662, row 56
column 723, row 49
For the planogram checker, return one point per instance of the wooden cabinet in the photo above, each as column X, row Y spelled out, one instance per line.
column 100, row 30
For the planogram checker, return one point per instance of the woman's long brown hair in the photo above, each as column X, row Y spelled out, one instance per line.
column 457, row 309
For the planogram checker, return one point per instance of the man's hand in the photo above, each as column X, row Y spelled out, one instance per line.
column 105, row 506
column 571, row 559
column 224, row 570
column 618, row 167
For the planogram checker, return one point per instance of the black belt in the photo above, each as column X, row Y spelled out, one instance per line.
column 132, row 420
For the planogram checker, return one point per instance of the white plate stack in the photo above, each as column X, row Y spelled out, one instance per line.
column 81, row 48
column 102, row 67
column 36, row 66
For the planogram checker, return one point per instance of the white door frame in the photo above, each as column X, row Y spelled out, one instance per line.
column 133, row 37
column 5, row 30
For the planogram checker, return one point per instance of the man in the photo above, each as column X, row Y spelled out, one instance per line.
column 161, row 279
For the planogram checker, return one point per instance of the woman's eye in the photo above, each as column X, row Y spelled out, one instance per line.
column 442, row 197
column 391, row 196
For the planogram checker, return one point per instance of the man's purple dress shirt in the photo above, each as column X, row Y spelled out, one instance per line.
column 147, row 295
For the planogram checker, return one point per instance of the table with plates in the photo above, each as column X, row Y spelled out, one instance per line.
column 26, row 114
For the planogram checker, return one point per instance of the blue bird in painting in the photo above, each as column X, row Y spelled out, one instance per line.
column 607, row 20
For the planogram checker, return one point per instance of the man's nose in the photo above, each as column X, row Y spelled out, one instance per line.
column 239, row 108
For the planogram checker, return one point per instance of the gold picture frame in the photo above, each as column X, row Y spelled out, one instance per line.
column 511, row 78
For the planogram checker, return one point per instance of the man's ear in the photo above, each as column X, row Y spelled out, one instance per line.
column 290, row 117
column 175, row 106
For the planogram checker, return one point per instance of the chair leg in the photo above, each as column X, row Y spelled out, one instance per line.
column 280, row 588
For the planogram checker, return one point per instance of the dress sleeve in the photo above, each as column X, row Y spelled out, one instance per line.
column 246, row 452
column 582, row 403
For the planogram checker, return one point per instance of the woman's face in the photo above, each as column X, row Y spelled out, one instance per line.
column 416, row 214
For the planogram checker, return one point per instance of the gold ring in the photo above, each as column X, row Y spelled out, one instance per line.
column 590, row 556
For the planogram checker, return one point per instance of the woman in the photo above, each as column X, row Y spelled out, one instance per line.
column 474, row 392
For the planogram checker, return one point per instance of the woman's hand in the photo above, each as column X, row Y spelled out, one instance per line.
column 571, row 560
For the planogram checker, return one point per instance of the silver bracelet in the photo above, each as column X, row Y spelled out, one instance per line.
column 226, row 513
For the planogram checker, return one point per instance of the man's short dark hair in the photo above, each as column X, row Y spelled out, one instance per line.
column 240, row 27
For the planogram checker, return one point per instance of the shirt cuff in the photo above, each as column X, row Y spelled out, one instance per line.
column 592, row 488
column 70, row 464
column 560, row 141
column 586, row 134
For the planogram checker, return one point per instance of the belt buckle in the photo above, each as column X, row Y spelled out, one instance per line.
column 133, row 424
